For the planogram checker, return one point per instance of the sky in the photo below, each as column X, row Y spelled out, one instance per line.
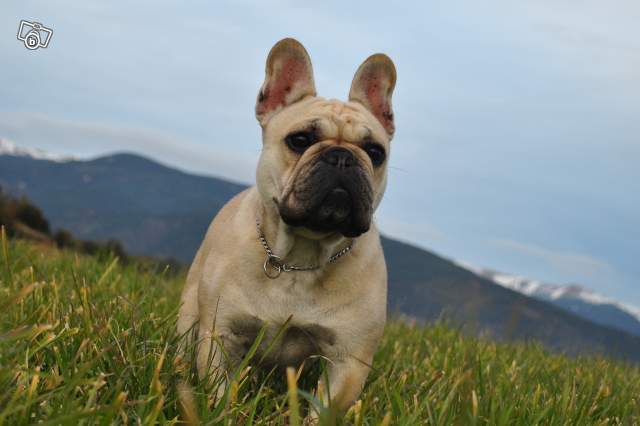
column 517, row 123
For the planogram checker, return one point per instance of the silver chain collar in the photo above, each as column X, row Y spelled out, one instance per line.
column 274, row 265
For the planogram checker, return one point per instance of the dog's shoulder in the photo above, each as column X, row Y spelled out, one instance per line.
column 223, row 222
column 234, row 204
column 229, row 212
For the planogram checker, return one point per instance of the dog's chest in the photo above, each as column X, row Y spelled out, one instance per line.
column 283, row 344
column 296, row 314
column 299, row 294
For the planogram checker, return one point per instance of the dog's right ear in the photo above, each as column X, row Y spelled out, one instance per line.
column 288, row 79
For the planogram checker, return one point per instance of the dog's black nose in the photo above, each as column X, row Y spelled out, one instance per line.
column 339, row 157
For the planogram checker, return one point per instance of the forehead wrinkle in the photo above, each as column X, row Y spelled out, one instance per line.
column 328, row 128
column 341, row 121
column 354, row 131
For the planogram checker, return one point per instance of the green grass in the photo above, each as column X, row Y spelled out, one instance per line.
column 86, row 341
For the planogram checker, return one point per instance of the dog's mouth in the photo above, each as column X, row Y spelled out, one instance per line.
column 326, row 200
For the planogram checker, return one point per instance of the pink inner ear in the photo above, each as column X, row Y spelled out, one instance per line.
column 378, row 102
column 275, row 94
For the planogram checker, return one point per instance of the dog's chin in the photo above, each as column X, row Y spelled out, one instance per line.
column 336, row 213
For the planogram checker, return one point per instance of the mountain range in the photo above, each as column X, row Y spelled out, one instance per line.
column 160, row 211
column 572, row 297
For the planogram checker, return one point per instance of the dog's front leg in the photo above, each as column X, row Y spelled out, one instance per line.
column 210, row 362
column 346, row 380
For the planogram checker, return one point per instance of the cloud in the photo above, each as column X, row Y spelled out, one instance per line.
column 88, row 139
column 562, row 262
column 594, row 39
column 423, row 233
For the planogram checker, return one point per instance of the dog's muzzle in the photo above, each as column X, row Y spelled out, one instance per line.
column 334, row 194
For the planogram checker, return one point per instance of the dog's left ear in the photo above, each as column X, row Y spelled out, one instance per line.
column 288, row 79
column 373, row 86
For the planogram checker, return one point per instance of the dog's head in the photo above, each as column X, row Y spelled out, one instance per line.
column 324, row 162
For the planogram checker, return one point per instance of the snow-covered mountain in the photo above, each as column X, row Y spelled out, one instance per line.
column 577, row 299
column 9, row 148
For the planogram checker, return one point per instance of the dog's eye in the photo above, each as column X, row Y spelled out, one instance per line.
column 300, row 141
column 376, row 153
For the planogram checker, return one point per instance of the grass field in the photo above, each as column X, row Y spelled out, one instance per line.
column 86, row 341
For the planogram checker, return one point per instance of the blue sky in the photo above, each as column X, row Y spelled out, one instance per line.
column 517, row 122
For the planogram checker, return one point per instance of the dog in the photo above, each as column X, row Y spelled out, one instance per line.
column 298, row 256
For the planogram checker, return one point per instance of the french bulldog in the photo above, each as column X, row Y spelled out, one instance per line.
column 298, row 255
